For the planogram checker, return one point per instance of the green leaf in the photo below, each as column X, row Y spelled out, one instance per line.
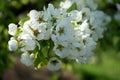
column 45, row 51
column 21, row 22
column 44, row 62
column 73, row 7
column 38, row 59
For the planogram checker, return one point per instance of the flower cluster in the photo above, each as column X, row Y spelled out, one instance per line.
column 49, row 36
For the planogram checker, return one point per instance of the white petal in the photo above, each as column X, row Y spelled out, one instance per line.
column 26, row 60
column 54, row 64
column 12, row 29
column 13, row 44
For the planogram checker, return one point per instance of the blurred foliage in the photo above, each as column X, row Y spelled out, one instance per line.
column 106, row 65
column 111, row 38
column 107, row 69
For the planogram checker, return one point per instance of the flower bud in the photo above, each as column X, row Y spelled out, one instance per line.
column 26, row 60
column 13, row 44
column 12, row 29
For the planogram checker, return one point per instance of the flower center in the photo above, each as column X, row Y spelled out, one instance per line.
column 61, row 31
column 60, row 47
column 54, row 62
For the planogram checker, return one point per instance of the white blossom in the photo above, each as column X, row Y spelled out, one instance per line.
column 44, row 32
column 85, row 13
column 61, row 50
column 36, row 15
column 54, row 64
column 82, row 59
column 90, row 44
column 64, row 32
column 92, row 4
column 77, row 49
column 26, row 59
column 65, row 5
column 76, row 15
column 85, row 27
column 98, row 18
column 27, row 28
column 27, row 42
column 57, row 32
column 12, row 29
column 13, row 44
